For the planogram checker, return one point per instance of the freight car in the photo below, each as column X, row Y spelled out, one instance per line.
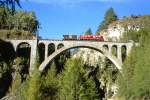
column 70, row 37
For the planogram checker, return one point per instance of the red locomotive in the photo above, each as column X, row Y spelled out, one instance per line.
column 84, row 37
column 92, row 37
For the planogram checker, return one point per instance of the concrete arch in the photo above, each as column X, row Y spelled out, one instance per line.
column 41, row 51
column 112, row 58
column 21, row 43
column 114, row 49
column 124, row 46
column 60, row 45
column 105, row 46
column 17, row 43
column 51, row 48
column 23, row 49
column 123, row 52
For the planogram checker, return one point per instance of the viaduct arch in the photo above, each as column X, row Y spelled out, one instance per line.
column 103, row 51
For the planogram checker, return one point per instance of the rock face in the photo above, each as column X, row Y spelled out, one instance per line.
column 113, row 33
column 89, row 56
column 92, row 58
column 116, row 29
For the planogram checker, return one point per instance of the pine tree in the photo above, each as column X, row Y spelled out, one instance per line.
column 88, row 90
column 74, row 84
column 50, row 85
column 134, row 84
column 34, row 82
column 110, row 16
column 10, row 4
column 33, row 92
column 88, row 32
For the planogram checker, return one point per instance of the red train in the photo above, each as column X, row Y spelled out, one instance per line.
column 84, row 37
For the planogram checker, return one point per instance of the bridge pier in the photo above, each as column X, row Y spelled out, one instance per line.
column 119, row 53
column 33, row 55
column 109, row 49
column 46, row 51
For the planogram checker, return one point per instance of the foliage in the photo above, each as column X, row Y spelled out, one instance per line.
column 131, row 35
column 88, row 32
column 114, row 50
column 4, row 68
column 34, row 82
column 18, row 74
column 19, row 24
column 28, row 89
column 50, row 87
column 107, row 74
column 135, row 36
column 34, row 86
column 5, row 77
column 61, row 60
column 138, row 27
column 10, row 4
column 74, row 82
column 134, row 82
column 16, row 82
column 110, row 17
column 88, row 90
column 6, row 59
column 21, row 92
column 7, row 8
column 21, row 20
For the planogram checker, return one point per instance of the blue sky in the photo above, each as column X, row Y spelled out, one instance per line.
column 58, row 17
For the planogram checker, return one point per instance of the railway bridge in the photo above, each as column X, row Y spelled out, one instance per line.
column 59, row 46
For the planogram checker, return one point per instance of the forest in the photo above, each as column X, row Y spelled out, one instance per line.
column 17, row 23
column 68, row 78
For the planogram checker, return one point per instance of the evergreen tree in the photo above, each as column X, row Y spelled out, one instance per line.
column 33, row 92
column 134, row 82
column 34, row 83
column 110, row 16
column 21, row 24
column 107, row 74
column 10, row 4
column 74, row 83
column 50, row 87
column 88, row 90
column 88, row 32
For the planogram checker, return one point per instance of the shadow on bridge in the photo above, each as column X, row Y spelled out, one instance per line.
column 7, row 54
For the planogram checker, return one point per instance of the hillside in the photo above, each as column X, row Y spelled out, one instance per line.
column 116, row 29
column 16, row 34
column 20, row 25
column 91, row 57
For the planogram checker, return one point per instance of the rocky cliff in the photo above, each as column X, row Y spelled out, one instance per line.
column 117, row 28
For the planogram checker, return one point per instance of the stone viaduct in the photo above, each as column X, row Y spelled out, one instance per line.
column 105, row 48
